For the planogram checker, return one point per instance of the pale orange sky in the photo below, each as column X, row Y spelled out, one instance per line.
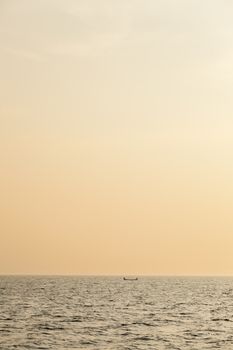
column 116, row 139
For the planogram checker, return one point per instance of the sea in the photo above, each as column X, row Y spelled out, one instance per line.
column 109, row 313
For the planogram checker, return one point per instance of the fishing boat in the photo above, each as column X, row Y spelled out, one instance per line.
column 130, row 279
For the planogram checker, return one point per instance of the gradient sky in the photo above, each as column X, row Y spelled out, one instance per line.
column 116, row 137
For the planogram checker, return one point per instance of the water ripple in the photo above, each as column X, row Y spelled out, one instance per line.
column 111, row 314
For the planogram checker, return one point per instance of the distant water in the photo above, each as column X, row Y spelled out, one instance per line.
column 109, row 313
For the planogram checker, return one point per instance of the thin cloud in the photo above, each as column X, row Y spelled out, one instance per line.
column 38, row 30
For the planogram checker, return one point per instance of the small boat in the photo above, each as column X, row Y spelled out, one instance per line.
column 130, row 279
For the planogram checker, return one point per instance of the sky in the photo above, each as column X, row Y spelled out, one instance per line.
column 116, row 148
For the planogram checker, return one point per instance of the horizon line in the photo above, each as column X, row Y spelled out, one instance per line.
column 111, row 275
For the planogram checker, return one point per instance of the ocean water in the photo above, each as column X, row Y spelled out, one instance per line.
column 110, row 313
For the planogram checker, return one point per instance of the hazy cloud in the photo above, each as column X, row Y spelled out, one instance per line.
column 76, row 28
